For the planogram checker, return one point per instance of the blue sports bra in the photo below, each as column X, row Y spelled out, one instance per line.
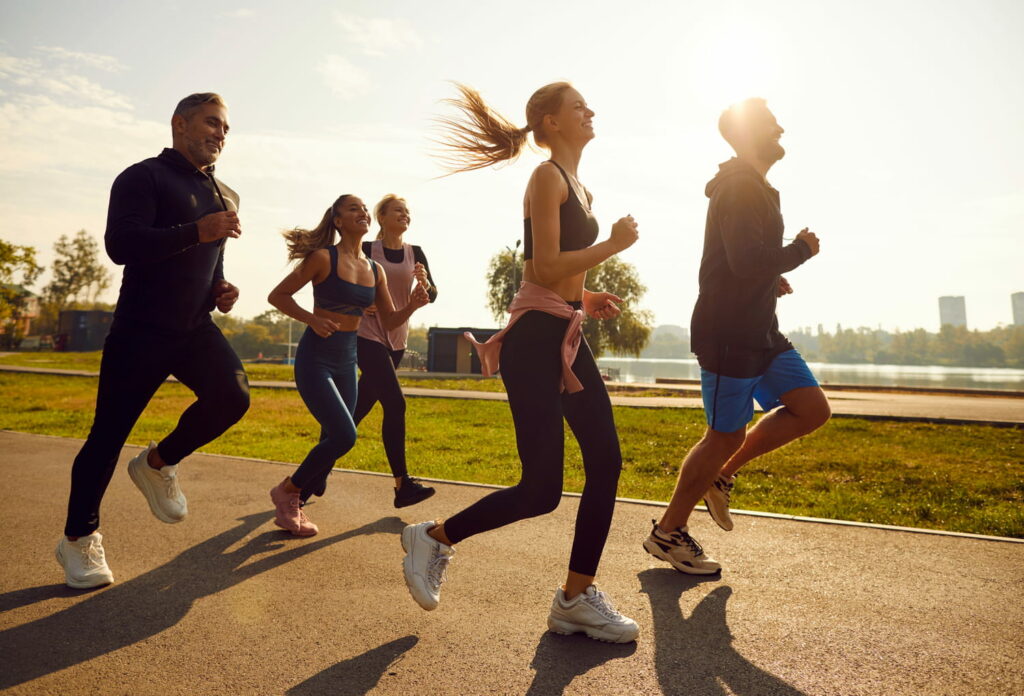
column 337, row 295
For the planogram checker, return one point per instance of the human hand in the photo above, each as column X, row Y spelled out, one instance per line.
column 224, row 295
column 322, row 326
column 218, row 226
column 601, row 305
column 624, row 233
column 370, row 311
column 419, row 296
column 784, row 287
column 419, row 272
column 808, row 238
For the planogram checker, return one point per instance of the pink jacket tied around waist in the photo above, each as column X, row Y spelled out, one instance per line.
column 534, row 297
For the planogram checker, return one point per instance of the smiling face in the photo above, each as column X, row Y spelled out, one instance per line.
column 574, row 119
column 395, row 217
column 765, row 132
column 200, row 134
column 351, row 216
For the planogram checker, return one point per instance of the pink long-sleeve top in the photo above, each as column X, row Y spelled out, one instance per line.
column 534, row 297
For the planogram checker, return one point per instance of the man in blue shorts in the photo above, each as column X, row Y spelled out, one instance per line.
column 735, row 335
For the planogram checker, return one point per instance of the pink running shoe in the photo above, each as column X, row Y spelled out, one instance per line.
column 288, row 514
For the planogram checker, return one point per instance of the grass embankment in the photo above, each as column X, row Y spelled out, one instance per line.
column 268, row 372
column 954, row 477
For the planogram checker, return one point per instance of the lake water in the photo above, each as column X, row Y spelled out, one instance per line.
column 648, row 369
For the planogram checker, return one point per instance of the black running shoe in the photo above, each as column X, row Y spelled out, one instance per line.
column 411, row 492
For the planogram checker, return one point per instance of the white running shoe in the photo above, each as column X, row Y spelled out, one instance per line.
column 681, row 551
column 425, row 565
column 591, row 612
column 160, row 486
column 717, row 501
column 83, row 562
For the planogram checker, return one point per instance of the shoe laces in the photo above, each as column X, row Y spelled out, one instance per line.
column 92, row 554
column 725, row 486
column 601, row 602
column 171, row 481
column 694, row 547
column 437, row 570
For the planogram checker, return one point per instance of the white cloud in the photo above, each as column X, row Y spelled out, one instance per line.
column 33, row 76
column 92, row 60
column 344, row 78
column 377, row 36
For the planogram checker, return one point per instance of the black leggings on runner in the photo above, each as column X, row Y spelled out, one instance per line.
column 136, row 361
column 531, row 368
column 379, row 382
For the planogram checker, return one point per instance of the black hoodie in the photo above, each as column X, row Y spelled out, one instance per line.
column 734, row 331
column 151, row 229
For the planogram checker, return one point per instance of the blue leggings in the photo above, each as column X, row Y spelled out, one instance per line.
column 325, row 374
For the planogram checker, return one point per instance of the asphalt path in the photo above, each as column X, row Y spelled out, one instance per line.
column 226, row 603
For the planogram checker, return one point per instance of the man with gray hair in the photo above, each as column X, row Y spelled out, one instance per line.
column 168, row 222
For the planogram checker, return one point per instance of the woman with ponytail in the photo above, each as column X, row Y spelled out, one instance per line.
column 345, row 283
column 548, row 370
column 379, row 351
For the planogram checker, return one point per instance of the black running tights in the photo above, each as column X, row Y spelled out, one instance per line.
column 531, row 369
column 379, row 382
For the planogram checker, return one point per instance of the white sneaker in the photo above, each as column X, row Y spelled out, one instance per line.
column 681, row 551
column 717, row 501
column 83, row 561
column 160, row 486
column 591, row 612
column 425, row 565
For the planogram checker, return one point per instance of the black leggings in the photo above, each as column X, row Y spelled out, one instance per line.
column 531, row 368
column 136, row 361
column 379, row 382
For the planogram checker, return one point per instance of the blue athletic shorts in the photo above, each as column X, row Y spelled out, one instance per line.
column 729, row 401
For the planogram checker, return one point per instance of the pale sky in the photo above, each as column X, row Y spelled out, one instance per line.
column 904, row 132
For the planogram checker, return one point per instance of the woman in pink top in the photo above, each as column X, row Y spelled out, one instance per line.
column 548, row 370
column 380, row 351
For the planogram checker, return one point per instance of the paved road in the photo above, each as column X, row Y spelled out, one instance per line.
column 225, row 603
column 914, row 407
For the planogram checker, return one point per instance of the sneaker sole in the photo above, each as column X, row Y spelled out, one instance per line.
column 142, row 484
column 564, row 628
column 81, row 584
column 681, row 567
column 415, row 502
column 294, row 532
column 428, row 606
column 725, row 524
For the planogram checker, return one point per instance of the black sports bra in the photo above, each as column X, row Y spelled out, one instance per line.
column 577, row 225
column 338, row 295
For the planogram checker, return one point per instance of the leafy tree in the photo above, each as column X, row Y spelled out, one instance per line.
column 18, row 269
column 504, row 274
column 627, row 334
column 79, row 275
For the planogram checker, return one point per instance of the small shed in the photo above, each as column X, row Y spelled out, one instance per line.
column 449, row 351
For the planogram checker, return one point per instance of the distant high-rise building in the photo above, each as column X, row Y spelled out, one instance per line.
column 1017, row 299
column 952, row 310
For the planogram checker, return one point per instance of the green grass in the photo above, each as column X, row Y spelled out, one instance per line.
column 267, row 372
column 953, row 477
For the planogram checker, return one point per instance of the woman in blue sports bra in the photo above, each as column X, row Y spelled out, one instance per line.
column 345, row 283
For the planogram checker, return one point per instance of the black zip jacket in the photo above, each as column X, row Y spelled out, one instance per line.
column 151, row 230
column 734, row 327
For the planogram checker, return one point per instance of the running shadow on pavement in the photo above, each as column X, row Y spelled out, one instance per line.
column 560, row 659
column 695, row 655
column 355, row 676
column 126, row 613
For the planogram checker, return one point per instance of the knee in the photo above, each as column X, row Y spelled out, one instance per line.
column 724, row 444
column 542, row 503
column 394, row 404
column 815, row 413
column 339, row 443
column 236, row 401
